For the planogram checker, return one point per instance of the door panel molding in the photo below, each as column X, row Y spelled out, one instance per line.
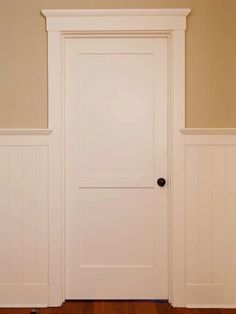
column 169, row 23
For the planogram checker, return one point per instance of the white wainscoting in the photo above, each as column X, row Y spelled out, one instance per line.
column 24, row 218
column 31, row 200
column 210, row 167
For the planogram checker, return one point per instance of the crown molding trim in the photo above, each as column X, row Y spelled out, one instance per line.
column 109, row 12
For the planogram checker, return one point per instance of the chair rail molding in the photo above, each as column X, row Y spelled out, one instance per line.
column 208, row 131
column 25, row 131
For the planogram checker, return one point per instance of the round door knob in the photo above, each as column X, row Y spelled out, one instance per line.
column 161, row 182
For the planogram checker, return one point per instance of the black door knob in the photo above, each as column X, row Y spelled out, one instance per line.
column 161, row 182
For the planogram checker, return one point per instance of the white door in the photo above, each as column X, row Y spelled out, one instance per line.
column 116, row 97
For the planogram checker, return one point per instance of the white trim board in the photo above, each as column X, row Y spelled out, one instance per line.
column 210, row 306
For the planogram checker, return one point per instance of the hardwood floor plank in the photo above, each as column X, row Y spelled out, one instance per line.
column 118, row 307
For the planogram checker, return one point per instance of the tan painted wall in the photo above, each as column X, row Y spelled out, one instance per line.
column 211, row 59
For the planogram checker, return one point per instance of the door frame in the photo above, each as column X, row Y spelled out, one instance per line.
column 169, row 23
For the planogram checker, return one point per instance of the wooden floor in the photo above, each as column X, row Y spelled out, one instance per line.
column 117, row 307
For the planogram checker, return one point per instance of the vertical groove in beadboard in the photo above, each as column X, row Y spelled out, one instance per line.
column 204, row 188
column 42, row 221
column 15, row 210
column 191, row 232
column 211, row 218
column 219, row 208
column 37, row 211
column 30, row 244
column 196, row 216
column 231, row 222
column 226, row 212
column 4, row 217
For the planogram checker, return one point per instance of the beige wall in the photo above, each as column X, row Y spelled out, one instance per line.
column 211, row 59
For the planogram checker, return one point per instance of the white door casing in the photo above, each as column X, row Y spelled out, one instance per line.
column 169, row 24
column 116, row 217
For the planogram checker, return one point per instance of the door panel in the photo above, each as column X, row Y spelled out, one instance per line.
column 116, row 147
column 101, row 234
column 107, row 146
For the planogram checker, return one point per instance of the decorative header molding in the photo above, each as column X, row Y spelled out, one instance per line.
column 58, row 12
column 118, row 19
column 208, row 131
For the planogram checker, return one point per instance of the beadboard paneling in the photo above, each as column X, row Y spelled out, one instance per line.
column 210, row 225
column 23, row 224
